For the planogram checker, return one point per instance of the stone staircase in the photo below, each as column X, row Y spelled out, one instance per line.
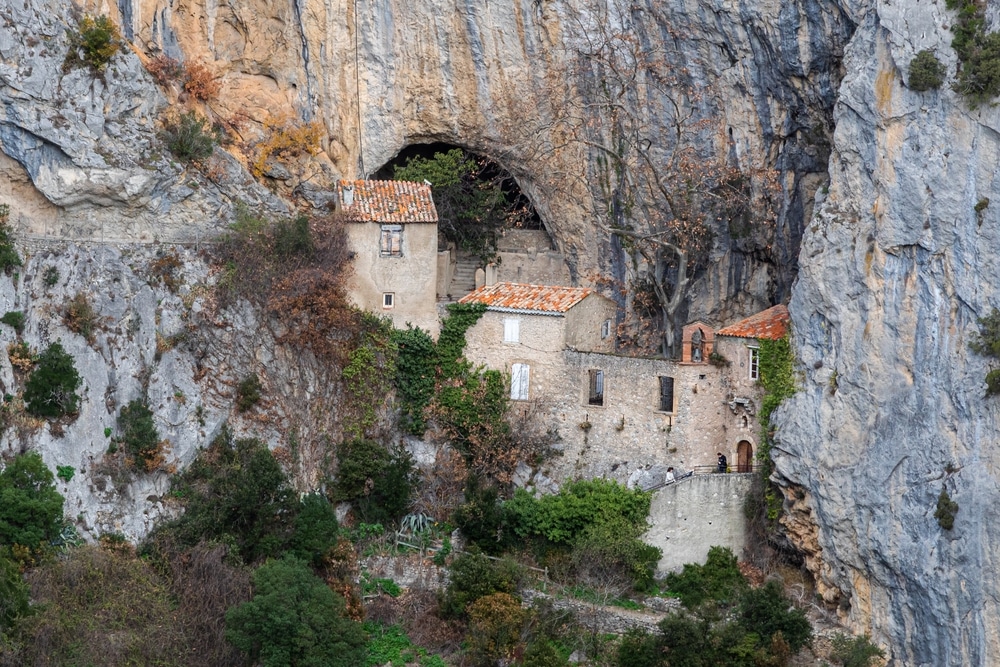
column 464, row 279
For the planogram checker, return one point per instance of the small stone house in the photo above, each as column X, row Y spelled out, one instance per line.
column 617, row 416
column 393, row 234
column 738, row 345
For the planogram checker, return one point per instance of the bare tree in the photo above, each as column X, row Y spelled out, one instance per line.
column 657, row 176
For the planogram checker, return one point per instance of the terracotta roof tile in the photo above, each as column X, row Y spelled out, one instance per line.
column 771, row 324
column 387, row 201
column 520, row 297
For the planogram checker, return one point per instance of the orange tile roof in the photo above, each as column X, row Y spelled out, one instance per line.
column 387, row 201
column 535, row 298
column 771, row 324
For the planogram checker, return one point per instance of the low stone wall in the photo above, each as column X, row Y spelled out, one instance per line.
column 695, row 514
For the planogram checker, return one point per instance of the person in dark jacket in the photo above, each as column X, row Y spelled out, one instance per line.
column 722, row 462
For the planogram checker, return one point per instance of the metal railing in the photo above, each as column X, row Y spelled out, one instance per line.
column 701, row 470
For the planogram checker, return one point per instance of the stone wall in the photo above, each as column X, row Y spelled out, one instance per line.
column 585, row 325
column 689, row 517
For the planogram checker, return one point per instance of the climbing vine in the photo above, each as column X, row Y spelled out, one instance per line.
column 368, row 375
column 415, row 375
column 777, row 376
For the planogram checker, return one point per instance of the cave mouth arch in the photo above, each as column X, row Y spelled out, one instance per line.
column 478, row 203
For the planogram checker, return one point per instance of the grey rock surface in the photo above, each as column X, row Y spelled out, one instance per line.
column 896, row 266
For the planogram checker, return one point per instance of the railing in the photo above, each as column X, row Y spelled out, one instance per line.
column 701, row 470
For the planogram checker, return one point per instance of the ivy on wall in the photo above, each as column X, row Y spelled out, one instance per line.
column 777, row 376
column 368, row 375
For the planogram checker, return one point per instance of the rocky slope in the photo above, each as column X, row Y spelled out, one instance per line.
column 896, row 267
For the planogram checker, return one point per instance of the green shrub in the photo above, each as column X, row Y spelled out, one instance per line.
column 926, row 72
column 248, row 392
column 51, row 389
column 482, row 518
column 565, row 516
column 315, row 530
column 765, row 611
column 65, row 473
column 986, row 342
column 543, row 653
column 377, row 482
column 30, row 507
column 50, row 276
column 234, row 492
column 294, row 619
column 946, row 510
column 13, row 595
column 719, row 579
column 473, row 576
column 189, row 137
column 854, row 651
column 93, row 43
column 15, row 319
column 979, row 77
column 137, row 434
column 8, row 253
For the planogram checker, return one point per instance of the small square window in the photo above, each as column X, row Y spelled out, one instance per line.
column 666, row 394
column 388, row 299
column 391, row 241
column 754, row 363
column 596, row 393
column 606, row 329
column 511, row 330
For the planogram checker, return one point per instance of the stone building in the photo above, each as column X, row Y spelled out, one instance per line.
column 615, row 416
column 393, row 233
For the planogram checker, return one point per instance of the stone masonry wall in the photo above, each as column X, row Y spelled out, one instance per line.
column 695, row 514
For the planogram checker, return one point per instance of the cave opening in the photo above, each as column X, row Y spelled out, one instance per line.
column 477, row 200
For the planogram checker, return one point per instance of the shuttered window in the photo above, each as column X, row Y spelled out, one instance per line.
column 519, row 374
column 666, row 394
column 511, row 330
column 596, row 388
column 754, row 363
column 391, row 243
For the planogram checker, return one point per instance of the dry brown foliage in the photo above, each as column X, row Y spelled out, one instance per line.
column 440, row 494
column 205, row 586
column 101, row 607
column 200, row 82
column 165, row 70
column 165, row 267
column 286, row 138
column 80, row 317
column 22, row 358
column 424, row 625
column 303, row 288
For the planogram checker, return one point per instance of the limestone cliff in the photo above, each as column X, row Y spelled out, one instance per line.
column 381, row 77
column 896, row 266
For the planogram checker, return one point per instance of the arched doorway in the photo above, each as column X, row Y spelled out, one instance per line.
column 744, row 457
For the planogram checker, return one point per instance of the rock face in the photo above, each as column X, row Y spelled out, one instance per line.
column 896, row 266
column 763, row 75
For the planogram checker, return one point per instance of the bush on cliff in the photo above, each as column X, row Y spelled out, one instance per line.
column 51, row 389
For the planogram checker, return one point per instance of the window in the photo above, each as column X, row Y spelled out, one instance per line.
column 606, row 329
column 519, row 382
column 666, row 394
column 391, row 242
column 596, row 396
column 754, row 363
column 388, row 299
column 511, row 330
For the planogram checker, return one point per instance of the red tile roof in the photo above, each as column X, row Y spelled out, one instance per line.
column 386, row 201
column 536, row 298
column 771, row 324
